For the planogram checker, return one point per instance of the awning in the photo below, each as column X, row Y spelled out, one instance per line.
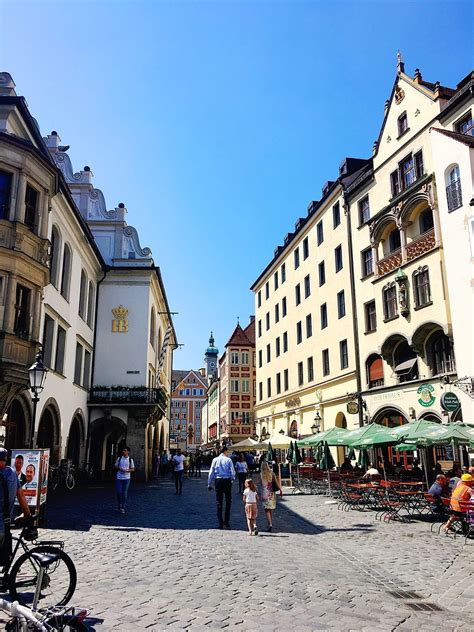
column 405, row 367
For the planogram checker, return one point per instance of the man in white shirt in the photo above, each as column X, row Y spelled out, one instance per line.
column 178, row 465
column 124, row 466
column 223, row 473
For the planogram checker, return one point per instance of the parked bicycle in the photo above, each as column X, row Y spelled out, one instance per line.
column 24, row 619
column 42, row 573
column 64, row 473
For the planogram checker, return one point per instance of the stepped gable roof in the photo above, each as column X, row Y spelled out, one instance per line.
column 239, row 338
column 249, row 331
column 462, row 138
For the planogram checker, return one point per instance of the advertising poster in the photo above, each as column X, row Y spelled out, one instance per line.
column 27, row 464
column 44, row 475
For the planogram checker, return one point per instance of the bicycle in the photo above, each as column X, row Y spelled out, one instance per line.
column 42, row 572
column 65, row 472
column 24, row 619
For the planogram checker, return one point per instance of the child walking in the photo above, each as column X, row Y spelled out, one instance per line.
column 250, row 498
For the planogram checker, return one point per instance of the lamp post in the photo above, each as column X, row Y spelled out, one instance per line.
column 267, row 436
column 317, row 424
column 37, row 376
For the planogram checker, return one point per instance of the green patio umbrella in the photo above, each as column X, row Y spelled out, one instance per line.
column 332, row 436
column 352, row 454
column 296, row 457
column 404, row 447
column 405, row 432
column 270, row 455
column 363, row 459
column 445, row 434
column 373, row 433
column 289, row 454
column 327, row 462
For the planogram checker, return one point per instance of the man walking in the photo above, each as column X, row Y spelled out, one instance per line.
column 124, row 466
column 178, row 469
column 223, row 473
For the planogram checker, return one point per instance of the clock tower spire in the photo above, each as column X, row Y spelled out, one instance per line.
column 210, row 359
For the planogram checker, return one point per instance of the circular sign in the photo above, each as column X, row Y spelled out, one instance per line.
column 426, row 395
column 352, row 408
column 449, row 402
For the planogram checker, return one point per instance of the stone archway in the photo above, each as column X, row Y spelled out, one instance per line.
column 16, row 425
column 107, row 435
column 48, row 433
column 75, row 441
column 392, row 417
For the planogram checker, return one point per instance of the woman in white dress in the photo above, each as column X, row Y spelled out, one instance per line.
column 270, row 485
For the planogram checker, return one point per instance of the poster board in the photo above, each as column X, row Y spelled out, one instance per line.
column 31, row 467
column 284, row 471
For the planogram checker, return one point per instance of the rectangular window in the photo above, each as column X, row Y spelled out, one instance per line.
column 90, row 305
column 307, row 286
column 283, row 272
column 422, row 290
column 326, row 362
column 275, row 280
column 310, row 367
column 277, row 312
column 245, row 386
column 322, row 273
column 419, row 168
column 277, row 346
column 260, row 391
column 269, row 355
column 259, row 298
column 338, row 258
column 278, row 383
column 341, row 304
column 267, row 290
column 234, row 357
column 5, row 193
column 31, row 203
column 60, row 350
column 395, row 183
column 267, row 321
column 286, row 381
column 336, row 215
column 21, row 324
column 309, row 326
column 300, row 374
column 269, row 386
column 296, row 255
column 407, row 172
column 259, row 327
column 370, row 317
column 78, row 364
column 234, row 386
column 402, row 124
column 297, row 294
column 465, row 125
column 390, row 302
column 367, row 259
column 48, row 338
column 283, row 307
column 305, row 248
column 245, row 357
column 299, row 332
column 285, row 342
column 87, row 369
column 343, row 353
column 324, row 315
column 364, row 210
column 319, row 233
column 260, row 359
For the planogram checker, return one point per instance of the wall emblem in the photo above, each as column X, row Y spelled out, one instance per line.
column 399, row 95
column 120, row 322
column 426, row 395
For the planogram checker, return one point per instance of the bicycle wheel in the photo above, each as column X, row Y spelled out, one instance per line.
column 59, row 579
column 65, row 623
column 70, row 481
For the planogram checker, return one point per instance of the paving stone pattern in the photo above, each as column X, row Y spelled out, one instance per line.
column 165, row 566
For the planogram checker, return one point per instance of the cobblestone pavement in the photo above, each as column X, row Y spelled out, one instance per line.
column 165, row 566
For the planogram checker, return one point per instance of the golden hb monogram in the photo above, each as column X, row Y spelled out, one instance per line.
column 120, row 322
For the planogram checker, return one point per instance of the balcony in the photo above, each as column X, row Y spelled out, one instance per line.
column 389, row 263
column 454, row 195
column 421, row 245
column 128, row 396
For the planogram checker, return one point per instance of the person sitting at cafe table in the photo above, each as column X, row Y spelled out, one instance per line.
column 416, row 473
column 346, row 467
column 438, row 489
column 462, row 493
column 371, row 472
column 454, row 478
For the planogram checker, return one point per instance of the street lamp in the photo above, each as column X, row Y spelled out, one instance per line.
column 282, row 432
column 267, row 436
column 317, row 423
column 255, row 436
column 37, row 376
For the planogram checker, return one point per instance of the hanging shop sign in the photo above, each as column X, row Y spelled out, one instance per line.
column 426, row 396
column 449, row 402
column 352, row 408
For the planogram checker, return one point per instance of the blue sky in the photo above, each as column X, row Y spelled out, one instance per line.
column 216, row 123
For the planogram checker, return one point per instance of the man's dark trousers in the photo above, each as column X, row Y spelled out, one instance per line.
column 223, row 488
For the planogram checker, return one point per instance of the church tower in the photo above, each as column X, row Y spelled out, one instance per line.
column 210, row 358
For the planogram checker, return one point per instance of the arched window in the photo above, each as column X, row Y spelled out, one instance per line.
column 83, row 295
column 426, row 220
column 394, row 240
column 55, row 256
column 405, row 362
column 66, row 272
column 421, row 287
column 374, row 367
column 440, row 354
column 453, row 188
column 152, row 327
column 90, row 304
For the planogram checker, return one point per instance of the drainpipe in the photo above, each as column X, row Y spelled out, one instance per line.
column 88, row 438
column 355, row 324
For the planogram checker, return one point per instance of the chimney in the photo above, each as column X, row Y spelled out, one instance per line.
column 251, row 318
column 7, row 85
column 52, row 142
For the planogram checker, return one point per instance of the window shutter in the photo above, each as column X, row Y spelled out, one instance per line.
column 376, row 370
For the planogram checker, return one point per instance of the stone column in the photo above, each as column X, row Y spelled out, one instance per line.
column 35, row 314
column 20, row 198
column 10, row 297
column 437, row 227
column 403, row 242
column 44, row 215
column 136, row 442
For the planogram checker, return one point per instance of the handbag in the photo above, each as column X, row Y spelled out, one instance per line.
column 275, row 487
